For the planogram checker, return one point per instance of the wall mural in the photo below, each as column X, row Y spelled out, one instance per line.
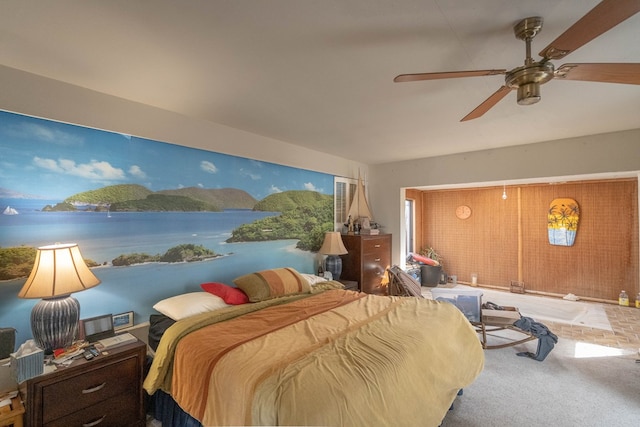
column 562, row 221
column 152, row 219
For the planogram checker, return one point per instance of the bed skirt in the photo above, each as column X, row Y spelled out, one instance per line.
column 166, row 410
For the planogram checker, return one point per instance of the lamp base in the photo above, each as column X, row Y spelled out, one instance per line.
column 334, row 265
column 54, row 322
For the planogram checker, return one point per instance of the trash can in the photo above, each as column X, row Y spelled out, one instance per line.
column 430, row 275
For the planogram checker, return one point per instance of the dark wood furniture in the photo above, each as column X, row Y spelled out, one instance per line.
column 104, row 391
column 367, row 261
column 350, row 285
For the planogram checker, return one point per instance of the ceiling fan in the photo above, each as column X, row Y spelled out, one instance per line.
column 528, row 78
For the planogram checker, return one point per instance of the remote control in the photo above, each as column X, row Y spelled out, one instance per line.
column 94, row 351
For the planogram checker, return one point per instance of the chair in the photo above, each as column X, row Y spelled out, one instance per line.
column 485, row 318
column 402, row 284
column 501, row 319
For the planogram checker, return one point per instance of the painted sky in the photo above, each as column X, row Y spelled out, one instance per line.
column 53, row 160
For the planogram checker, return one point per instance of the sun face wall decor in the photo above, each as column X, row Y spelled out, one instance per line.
column 562, row 221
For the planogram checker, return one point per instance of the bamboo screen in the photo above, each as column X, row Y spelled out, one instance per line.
column 602, row 261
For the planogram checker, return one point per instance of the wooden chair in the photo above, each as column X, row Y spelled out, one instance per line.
column 497, row 320
column 402, row 284
column 491, row 320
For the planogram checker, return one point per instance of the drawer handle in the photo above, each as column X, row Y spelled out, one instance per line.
column 94, row 389
column 94, row 423
column 376, row 246
column 377, row 260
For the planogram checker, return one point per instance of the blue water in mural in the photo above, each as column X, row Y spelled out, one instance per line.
column 103, row 236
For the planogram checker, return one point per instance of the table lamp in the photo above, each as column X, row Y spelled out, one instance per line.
column 58, row 271
column 333, row 247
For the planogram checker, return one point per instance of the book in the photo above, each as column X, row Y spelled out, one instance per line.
column 370, row 231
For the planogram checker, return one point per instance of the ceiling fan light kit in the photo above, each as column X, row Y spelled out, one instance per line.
column 527, row 79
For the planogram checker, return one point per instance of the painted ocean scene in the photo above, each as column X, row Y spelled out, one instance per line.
column 137, row 287
column 116, row 195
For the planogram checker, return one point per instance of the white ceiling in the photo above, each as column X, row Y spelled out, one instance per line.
column 319, row 73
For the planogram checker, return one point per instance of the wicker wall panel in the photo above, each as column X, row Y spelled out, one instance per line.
column 485, row 243
column 602, row 261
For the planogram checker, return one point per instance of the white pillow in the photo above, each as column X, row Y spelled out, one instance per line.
column 190, row 304
column 313, row 279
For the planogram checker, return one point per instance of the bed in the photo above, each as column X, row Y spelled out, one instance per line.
column 314, row 354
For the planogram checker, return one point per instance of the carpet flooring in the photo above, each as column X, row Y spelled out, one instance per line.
column 578, row 384
column 590, row 378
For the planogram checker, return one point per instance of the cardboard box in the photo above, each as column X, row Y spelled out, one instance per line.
column 469, row 302
column 517, row 287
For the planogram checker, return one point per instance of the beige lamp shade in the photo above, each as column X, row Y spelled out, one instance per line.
column 58, row 270
column 332, row 244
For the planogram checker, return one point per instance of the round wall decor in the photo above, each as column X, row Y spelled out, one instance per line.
column 463, row 211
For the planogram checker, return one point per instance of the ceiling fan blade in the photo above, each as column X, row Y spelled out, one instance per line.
column 446, row 75
column 487, row 104
column 605, row 73
column 597, row 21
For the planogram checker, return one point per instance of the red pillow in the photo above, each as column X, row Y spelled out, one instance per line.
column 229, row 294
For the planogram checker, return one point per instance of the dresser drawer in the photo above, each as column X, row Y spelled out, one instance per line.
column 373, row 260
column 114, row 412
column 92, row 386
column 375, row 245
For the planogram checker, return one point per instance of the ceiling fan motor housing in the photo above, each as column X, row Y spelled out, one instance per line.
column 527, row 79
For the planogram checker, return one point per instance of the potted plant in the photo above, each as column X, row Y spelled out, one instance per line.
column 430, row 275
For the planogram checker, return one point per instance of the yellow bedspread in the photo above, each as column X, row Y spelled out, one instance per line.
column 337, row 358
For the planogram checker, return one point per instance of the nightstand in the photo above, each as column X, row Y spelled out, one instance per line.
column 104, row 391
column 350, row 285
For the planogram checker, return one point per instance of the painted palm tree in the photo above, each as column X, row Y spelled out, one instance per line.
column 562, row 221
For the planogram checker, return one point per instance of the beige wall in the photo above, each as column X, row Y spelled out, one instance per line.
column 42, row 97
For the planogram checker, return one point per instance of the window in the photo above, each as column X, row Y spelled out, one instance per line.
column 344, row 190
column 409, row 222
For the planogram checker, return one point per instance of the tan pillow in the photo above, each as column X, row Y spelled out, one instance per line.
column 267, row 284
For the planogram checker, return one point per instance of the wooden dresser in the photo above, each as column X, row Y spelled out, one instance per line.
column 367, row 261
column 104, row 391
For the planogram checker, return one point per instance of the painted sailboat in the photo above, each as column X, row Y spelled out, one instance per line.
column 10, row 211
column 359, row 211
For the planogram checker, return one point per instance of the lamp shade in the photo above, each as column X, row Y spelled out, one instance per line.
column 58, row 270
column 332, row 244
